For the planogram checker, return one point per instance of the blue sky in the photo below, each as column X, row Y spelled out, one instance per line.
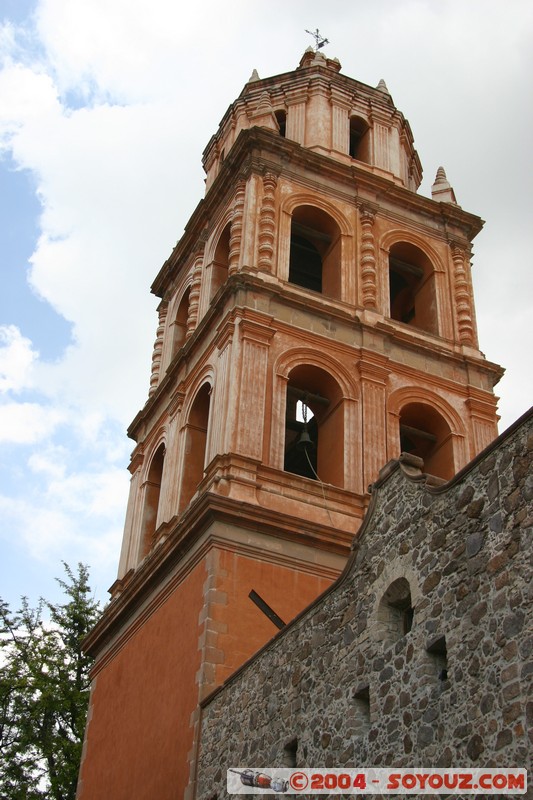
column 105, row 109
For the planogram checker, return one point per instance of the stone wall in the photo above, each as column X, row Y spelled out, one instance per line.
column 419, row 655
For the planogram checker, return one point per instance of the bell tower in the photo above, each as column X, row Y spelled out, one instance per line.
column 316, row 319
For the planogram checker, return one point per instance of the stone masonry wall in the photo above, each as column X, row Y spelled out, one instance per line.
column 348, row 679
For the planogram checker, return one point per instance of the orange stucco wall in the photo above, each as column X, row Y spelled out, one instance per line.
column 139, row 734
column 286, row 591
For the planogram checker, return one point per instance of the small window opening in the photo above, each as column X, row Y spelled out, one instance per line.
column 395, row 612
column 281, row 118
column 361, row 702
column 290, row 752
column 439, row 658
column 359, row 140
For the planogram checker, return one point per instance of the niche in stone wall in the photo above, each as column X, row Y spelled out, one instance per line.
column 395, row 611
column 437, row 660
column 361, row 708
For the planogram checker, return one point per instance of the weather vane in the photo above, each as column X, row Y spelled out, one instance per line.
column 320, row 41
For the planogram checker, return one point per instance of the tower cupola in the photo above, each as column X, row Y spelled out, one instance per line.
column 326, row 112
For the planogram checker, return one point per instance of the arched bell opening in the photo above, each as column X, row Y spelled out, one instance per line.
column 426, row 434
column 195, row 445
column 152, row 496
column 219, row 265
column 314, row 426
column 315, row 253
column 412, row 287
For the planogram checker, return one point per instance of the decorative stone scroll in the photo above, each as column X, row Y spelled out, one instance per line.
column 158, row 349
column 267, row 222
column 236, row 229
column 368, row 259
column 463, row 297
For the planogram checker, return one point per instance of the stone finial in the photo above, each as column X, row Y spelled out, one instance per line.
column 382, row 87
column 441, row 189
column 254, row 77
column 263, row 115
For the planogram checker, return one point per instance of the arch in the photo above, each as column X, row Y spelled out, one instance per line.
column 413, row 266
column 178, row 325
column 307, row 199
column 315, row 251
column 287, row 361
column 314, row 425
column 412, row 294
column 218, row 267
column 428, row 427
column 359, row 146
column 152, row 497
column 196, row 428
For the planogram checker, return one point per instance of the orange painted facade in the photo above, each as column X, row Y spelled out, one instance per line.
column 316, row 319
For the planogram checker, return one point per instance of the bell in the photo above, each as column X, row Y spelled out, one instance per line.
column 304, row 440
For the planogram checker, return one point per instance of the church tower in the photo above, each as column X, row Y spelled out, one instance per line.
column 316, row 319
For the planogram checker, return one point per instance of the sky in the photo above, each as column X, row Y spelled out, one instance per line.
column 105, row 109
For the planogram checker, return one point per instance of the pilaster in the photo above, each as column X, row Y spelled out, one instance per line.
column 374, row 371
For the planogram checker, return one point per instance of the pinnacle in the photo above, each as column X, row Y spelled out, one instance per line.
column 441, row 176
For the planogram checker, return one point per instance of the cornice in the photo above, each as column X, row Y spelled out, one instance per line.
column 179, row 537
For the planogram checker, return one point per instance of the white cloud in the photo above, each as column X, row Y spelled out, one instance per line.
column 17, row 357
column 27, row 423
column 109, row 105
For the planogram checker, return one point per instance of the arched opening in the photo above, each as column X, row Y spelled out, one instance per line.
column 314, row 426
column 426, row 434
column 315, row 254
column 152, row 494
column 219, row 265
column 179, row 333
column 195, row 445
column 412, row 287
column 281, row 119
column 395, row 611
column 359, row 140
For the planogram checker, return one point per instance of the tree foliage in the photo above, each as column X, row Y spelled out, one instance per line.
column 44, row 692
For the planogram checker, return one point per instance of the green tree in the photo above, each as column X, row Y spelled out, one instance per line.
column 44, row 692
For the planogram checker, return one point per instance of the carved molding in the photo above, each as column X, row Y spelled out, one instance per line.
column 158, row 349
column 368, row 259
column 267, row 222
